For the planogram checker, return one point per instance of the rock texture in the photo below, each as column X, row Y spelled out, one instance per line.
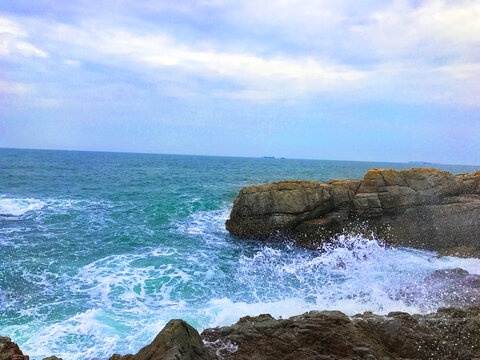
column 420, row 207
column 177, row 341
column 9, row 350
column 453, row 287
column 451, row 334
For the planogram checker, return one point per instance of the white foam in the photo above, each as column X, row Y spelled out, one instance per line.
column 18, row 207
column 207, row 225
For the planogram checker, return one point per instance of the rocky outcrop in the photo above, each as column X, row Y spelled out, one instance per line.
column 451, row 334
column 423, row 208
column 9, row 350
column 177, row 341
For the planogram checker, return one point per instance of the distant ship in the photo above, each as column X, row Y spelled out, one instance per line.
column 420, row 162
column 269, row 157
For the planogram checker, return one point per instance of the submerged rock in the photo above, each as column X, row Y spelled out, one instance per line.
column 177, row 341
column 454, row 287
column 422, row 208
column 451, row 333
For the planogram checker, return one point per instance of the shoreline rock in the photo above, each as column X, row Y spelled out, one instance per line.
column 450, row 333
column 177, row 340
column 420, row 207
column 9, row 350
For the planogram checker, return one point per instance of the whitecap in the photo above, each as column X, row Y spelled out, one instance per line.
column 18, row 207
column 209, row 225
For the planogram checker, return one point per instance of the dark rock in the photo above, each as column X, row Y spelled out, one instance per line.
column 451, row 333
column 461, row 251
column 423, row 208
column 9, row 350
column 52, row 358
column 177, row 341
column 454, row 287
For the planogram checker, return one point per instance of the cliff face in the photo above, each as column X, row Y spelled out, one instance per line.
column 423, row 208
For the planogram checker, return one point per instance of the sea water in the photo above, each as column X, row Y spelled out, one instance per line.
column 99, row 250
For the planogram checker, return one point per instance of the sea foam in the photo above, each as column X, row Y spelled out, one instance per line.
column 18, row 207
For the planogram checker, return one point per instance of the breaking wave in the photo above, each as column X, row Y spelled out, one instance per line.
column 18, row 207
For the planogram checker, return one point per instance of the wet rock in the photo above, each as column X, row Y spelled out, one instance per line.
column 52, row 358
column 451, row 333
column 461, row 251
column 261, row 210
column 177, row 341
column 9, row 350
column 454, row 287
column 423, row 208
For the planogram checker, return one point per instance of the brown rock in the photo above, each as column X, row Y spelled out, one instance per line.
column 423, row 208
column 261, row 210
column 8, row 350
column 451, row 333
column 177, row 341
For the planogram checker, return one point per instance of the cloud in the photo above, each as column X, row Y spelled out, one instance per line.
column 397, row 51
column 13, row 88
column 434, row 29
column 276, row 76
column 11, row 35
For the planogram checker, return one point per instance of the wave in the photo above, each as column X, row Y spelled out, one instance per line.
column 208, row 225
column 18, row 207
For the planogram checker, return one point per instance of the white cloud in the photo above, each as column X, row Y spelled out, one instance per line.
column 73, row 63
column 11, row 35
column 13, row 88
column 275, row 76
column 435, row 28
column 396, row 51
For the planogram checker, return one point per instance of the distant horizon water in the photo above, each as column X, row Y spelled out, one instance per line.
column 273, row 157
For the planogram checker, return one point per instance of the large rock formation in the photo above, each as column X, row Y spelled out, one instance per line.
column 423, row 208
column 451, row 334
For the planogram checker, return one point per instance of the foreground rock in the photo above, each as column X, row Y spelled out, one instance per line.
column 451, row 334
column 422, row 208
column 9, row 350
column 177, row 341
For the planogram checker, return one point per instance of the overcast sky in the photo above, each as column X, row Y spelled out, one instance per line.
column 325, row 79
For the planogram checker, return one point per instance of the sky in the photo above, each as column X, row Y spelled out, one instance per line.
column 387, row 80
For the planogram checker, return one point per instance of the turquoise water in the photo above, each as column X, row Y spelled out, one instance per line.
column 99, row 250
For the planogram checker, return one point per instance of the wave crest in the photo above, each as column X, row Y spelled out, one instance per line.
column 19, row 207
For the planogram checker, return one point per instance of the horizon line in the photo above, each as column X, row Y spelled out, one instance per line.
column 413, row 162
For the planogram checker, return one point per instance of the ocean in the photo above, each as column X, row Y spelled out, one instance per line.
column 99, row 250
